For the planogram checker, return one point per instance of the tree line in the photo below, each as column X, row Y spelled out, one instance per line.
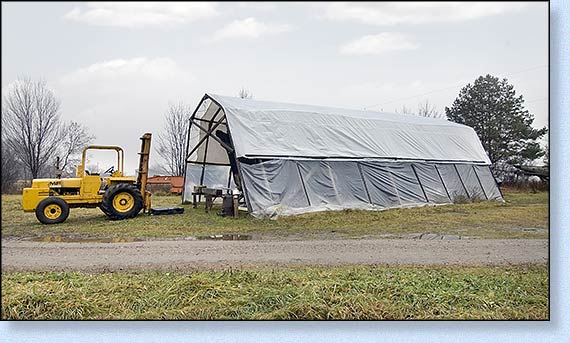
column 34, row 136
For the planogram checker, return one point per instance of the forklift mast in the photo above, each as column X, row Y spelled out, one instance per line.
column 142, row 174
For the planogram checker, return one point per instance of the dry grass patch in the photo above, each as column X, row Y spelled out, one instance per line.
column 354, row 292
column 484, row 219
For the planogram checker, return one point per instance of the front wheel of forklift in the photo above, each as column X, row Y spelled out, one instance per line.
column 122, row 201
column 52, row 210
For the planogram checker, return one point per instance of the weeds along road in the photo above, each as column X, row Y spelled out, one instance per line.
column 189, row 255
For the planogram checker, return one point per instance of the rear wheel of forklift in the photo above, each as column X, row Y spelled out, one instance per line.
column 122, row 201
column 52, row 210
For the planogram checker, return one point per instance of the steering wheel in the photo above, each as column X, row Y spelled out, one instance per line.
column 110, row 170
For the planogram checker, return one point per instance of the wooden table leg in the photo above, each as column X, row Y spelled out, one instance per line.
column 236, row 206
column 209, row 202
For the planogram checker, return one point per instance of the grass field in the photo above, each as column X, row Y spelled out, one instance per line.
column 523, row 215
column 352, row 292
column 349, row 292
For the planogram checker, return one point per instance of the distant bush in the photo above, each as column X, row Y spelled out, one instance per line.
column 16, row 187
column 532, row 186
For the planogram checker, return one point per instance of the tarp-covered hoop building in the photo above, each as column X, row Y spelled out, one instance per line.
column 290, row 159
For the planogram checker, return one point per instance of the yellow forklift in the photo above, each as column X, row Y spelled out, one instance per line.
column 118, row 196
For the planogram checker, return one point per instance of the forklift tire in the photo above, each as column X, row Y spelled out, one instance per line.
column 52, row 210
column 122, row 201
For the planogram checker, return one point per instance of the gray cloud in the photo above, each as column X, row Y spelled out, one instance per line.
column 249, row 28
column 393, row 13
column 379, row 44
column 142, row 14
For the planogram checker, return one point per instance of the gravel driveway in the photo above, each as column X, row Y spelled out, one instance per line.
column 188, row 255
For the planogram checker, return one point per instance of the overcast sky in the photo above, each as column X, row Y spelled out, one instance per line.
column 117, row 66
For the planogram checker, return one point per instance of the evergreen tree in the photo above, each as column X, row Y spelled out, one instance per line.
column 504, row 126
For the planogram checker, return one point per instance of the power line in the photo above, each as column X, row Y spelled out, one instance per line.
column 454, row 86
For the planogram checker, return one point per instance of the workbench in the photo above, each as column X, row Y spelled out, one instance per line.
column 210, row 194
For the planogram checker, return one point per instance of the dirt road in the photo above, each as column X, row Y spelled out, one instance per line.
column 188, row 255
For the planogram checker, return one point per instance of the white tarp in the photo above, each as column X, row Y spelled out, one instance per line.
column 271, row 129
column 298, row 158
column 216, row 154
column 283, row 187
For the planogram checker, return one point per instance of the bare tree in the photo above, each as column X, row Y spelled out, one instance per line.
column 425, row 109
column 157, row 169
column 30, row 119
column 33, row 131
column 245, row 94
column 172, row 141
column 10, row 168
column 404, row 110
column 74, row 137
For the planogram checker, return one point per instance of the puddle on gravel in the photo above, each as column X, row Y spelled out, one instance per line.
column 64, row 239
column 226, row 237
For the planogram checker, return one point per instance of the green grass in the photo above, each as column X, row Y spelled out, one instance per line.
column 484, row 220
column 352, row 292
